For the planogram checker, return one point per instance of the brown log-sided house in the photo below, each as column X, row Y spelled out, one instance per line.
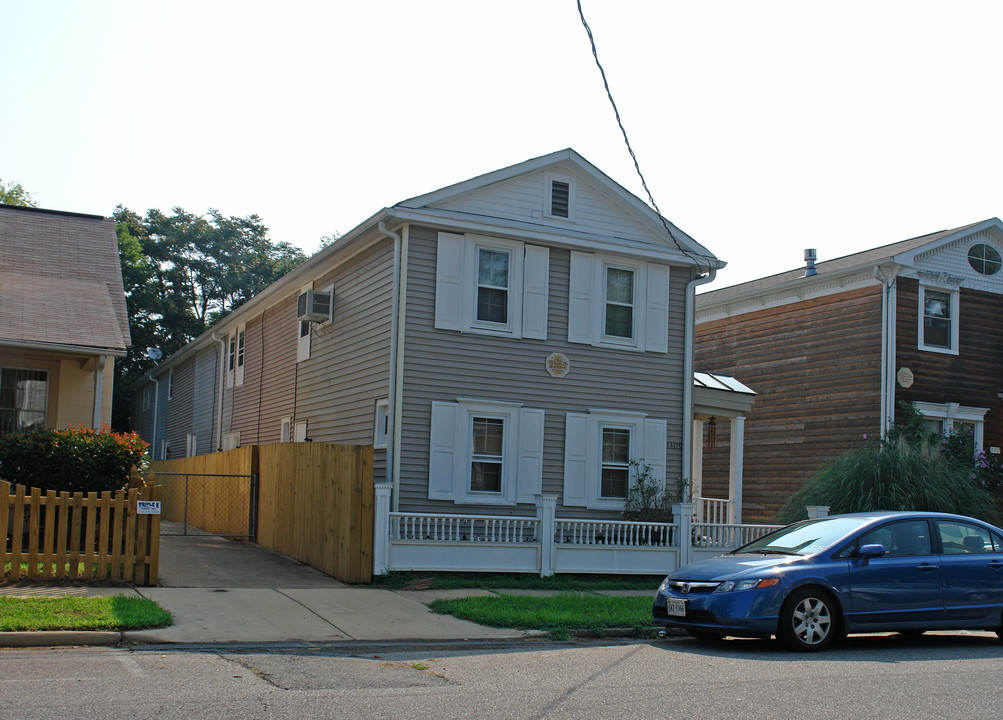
column 63, row 319
column 831, row 349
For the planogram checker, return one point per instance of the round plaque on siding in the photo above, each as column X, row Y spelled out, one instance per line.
column 558, row 365
column 905, row 377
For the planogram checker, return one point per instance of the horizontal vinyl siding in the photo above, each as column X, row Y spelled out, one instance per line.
column 271, row 349
column 444, row 365
column 816, row 369
column 179, row 409
column 974, row 375
column 244, row 418
column 204, row 403
column 349, row 365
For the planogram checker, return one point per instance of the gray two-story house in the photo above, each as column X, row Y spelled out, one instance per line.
column 526, row 331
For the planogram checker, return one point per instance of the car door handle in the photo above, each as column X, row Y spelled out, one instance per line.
column 996, row 564
column 926, row 567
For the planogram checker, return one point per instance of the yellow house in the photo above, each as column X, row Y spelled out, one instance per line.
column 63, row 318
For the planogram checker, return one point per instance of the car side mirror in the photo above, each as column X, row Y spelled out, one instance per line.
column 866, row 552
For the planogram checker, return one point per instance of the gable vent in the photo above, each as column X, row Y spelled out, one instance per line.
column 560, row 194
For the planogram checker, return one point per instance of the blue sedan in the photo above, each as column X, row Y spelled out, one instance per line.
column 815, row 581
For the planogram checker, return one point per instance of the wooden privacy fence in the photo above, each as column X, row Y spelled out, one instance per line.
column 314, row 501
column 51, row 536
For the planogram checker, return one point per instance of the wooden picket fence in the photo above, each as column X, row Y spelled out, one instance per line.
column 64, row 536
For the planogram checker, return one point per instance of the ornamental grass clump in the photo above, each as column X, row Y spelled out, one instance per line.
column 908, row 469
column 74, row 459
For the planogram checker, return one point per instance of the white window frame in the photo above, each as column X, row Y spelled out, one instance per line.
column 381, row 423
column 587, row 303
column 451, row 451
column 238, row 373
column 953, row 309
column 456, row 286
column 549, row 179
column 632, row 443
column 231, row 440
column 299, row 431
column 636, row 339
column 286, row 429
column 949, row 413
column 191, row 445
column 583, row 453
column 48, row 387
column 303, row 339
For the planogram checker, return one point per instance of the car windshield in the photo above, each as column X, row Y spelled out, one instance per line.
column 803, row 538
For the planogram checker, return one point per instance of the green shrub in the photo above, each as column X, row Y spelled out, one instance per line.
column 649, row 498
column 82, row 459
column 908, row 469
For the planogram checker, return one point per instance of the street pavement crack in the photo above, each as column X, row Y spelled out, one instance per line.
column 312, row 611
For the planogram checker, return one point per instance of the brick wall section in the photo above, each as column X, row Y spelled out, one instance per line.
column 816, row 369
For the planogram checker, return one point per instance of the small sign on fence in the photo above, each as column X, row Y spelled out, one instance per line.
column 148, row 507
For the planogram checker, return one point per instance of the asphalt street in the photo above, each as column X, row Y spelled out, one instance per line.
column 939, row 676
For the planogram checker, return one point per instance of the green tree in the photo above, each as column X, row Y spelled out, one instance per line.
column 182, row 274
column 12, row 193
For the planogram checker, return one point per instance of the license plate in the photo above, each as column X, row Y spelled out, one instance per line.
column 676, row 607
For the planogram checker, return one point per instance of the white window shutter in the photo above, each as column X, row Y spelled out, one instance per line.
column 443, row 451
column 580, row 298
column 529, row 472
column 449, row 282
column 536, row 285
column 655, row 431
column 577, row 461
column 656, row 317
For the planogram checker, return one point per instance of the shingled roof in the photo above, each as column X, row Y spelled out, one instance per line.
column 60, row 281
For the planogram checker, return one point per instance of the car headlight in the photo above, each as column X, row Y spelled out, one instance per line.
column 665, row 585
column 732, row 585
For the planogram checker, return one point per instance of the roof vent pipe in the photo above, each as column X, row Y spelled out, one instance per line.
column 809, row 258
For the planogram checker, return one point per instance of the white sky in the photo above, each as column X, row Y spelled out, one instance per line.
column 762, row 127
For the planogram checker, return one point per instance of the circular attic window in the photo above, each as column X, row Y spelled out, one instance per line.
column 985, row 259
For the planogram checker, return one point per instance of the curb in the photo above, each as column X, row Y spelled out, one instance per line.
column 52, row 638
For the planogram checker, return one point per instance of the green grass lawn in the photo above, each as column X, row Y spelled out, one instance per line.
column 80, row 613
column 519, row 581
column 557, row 613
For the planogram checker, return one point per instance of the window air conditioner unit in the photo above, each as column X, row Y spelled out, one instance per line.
column 314, row 306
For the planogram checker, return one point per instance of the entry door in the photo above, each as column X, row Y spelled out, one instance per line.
column 902, row 586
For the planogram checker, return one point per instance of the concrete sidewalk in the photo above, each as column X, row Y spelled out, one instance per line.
column 223, row 591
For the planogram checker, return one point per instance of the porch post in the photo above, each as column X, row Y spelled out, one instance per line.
column 682, row 513
column 546, row 508
column 735, row 470
column 381, row 528
column 696, row 484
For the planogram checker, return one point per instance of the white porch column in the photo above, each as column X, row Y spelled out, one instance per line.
column 696, row 465
column 381, row 528
column 546, row 509
column 735, row 470
column 682, row 514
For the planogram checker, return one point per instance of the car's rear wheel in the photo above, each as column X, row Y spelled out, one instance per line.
column 705, row 635
column 808, row 621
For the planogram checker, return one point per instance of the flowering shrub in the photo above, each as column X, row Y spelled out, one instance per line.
column 648, row 497
column 80, row 459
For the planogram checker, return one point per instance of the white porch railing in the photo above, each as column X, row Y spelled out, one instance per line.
column 613, row 532
column 544, row 544
column 459, row 528
column 714, row 510
column 710, row 535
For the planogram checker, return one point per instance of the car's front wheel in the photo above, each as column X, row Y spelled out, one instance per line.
column 807, row 621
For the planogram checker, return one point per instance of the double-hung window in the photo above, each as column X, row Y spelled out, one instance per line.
column 615, row 462
column 493, row 285
column 938, row 324
column 485, row 451
column 598, row 448
column 618, row 320
column 947, row 418
column 24, row 397
column 487, row 457
column 620, row 303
